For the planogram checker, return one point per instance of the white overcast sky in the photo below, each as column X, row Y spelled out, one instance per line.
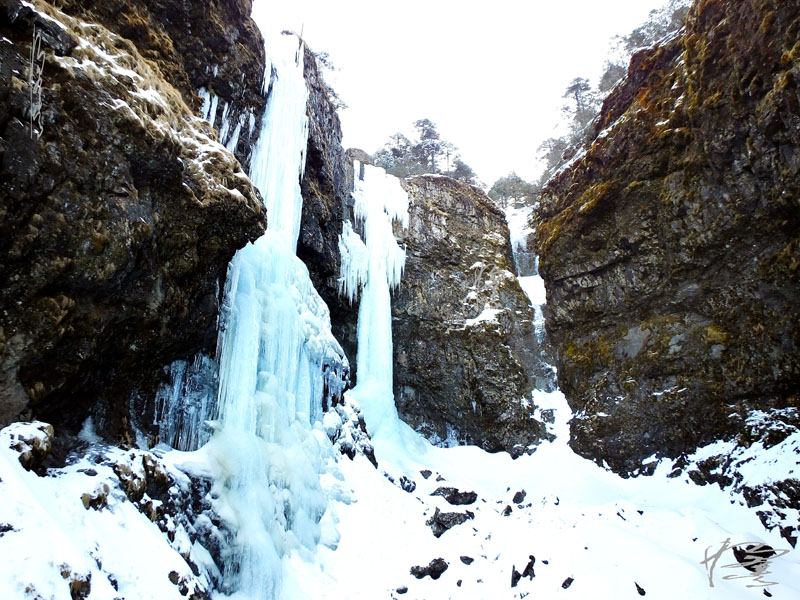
column 489, row 73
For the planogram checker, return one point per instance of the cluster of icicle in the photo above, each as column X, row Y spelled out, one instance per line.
column 374, row 266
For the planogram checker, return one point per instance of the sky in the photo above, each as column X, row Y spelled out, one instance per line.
column 489, row 74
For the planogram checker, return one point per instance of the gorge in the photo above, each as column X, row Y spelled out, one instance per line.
column 240, row 361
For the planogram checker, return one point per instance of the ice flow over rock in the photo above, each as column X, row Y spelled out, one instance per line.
column 277, row 361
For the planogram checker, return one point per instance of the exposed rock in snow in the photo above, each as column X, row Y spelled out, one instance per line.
column 441, row 522
column 454, row 496
column 434, row 569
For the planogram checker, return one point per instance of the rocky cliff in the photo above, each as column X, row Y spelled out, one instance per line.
column 211, row 52
column 670, row 248
column 461, row 325
column 119, row 209
column 326, row 186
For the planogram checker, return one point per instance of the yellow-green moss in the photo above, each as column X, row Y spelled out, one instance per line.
column 790, row 56
column 592, row 197
column 716, row 335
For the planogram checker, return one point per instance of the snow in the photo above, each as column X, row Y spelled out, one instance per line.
column 583, row 520
column 55, row 539
column 534, row 288
column 488, row 315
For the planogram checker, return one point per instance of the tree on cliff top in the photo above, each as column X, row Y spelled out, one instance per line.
column 513, row 190
column 557, row 151
column 427, row 153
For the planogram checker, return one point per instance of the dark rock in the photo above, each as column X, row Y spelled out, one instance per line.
column 458, row 583
column 467, row 560
column 639, row 589
column 435, row 569
column 443, row 521
column 116, row 224
column 567, row 582
column 515, row 577
column 519, row 497
column 326, row 187
column 455, row 497
column 528, row 572
column 407, row 484
column 507, row 510
column 456, row 379
column 670, row 250
column 439, row 478
column 402, row 589
column 425, row 473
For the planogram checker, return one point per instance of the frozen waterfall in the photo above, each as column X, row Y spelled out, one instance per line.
column 277, row 359
column 374, row 266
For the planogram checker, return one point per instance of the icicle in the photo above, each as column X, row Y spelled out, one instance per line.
column 375, row 265
column 183, row 407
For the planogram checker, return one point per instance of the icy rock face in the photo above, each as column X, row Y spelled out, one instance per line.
column 211, row 52
column 670, row 249
column 463, row 335
column 326, row 187
column 759, row 465
column 108, row 523
column 116, row 225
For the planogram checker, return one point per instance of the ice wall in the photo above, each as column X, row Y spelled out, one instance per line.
column 374, row 266
column 277, row 362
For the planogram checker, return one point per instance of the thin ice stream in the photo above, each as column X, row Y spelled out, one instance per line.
column 374, row 265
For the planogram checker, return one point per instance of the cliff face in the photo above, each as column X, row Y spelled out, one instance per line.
column 326, row 187
column 116, row 225
column 211, row 47
column 461, row 325
column 670, row 249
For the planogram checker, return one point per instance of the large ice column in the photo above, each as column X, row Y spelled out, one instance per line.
column 375, row 265
column 284, row 132
column 275, row 352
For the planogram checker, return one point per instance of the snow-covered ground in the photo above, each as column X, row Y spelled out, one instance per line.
column 579, row 521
